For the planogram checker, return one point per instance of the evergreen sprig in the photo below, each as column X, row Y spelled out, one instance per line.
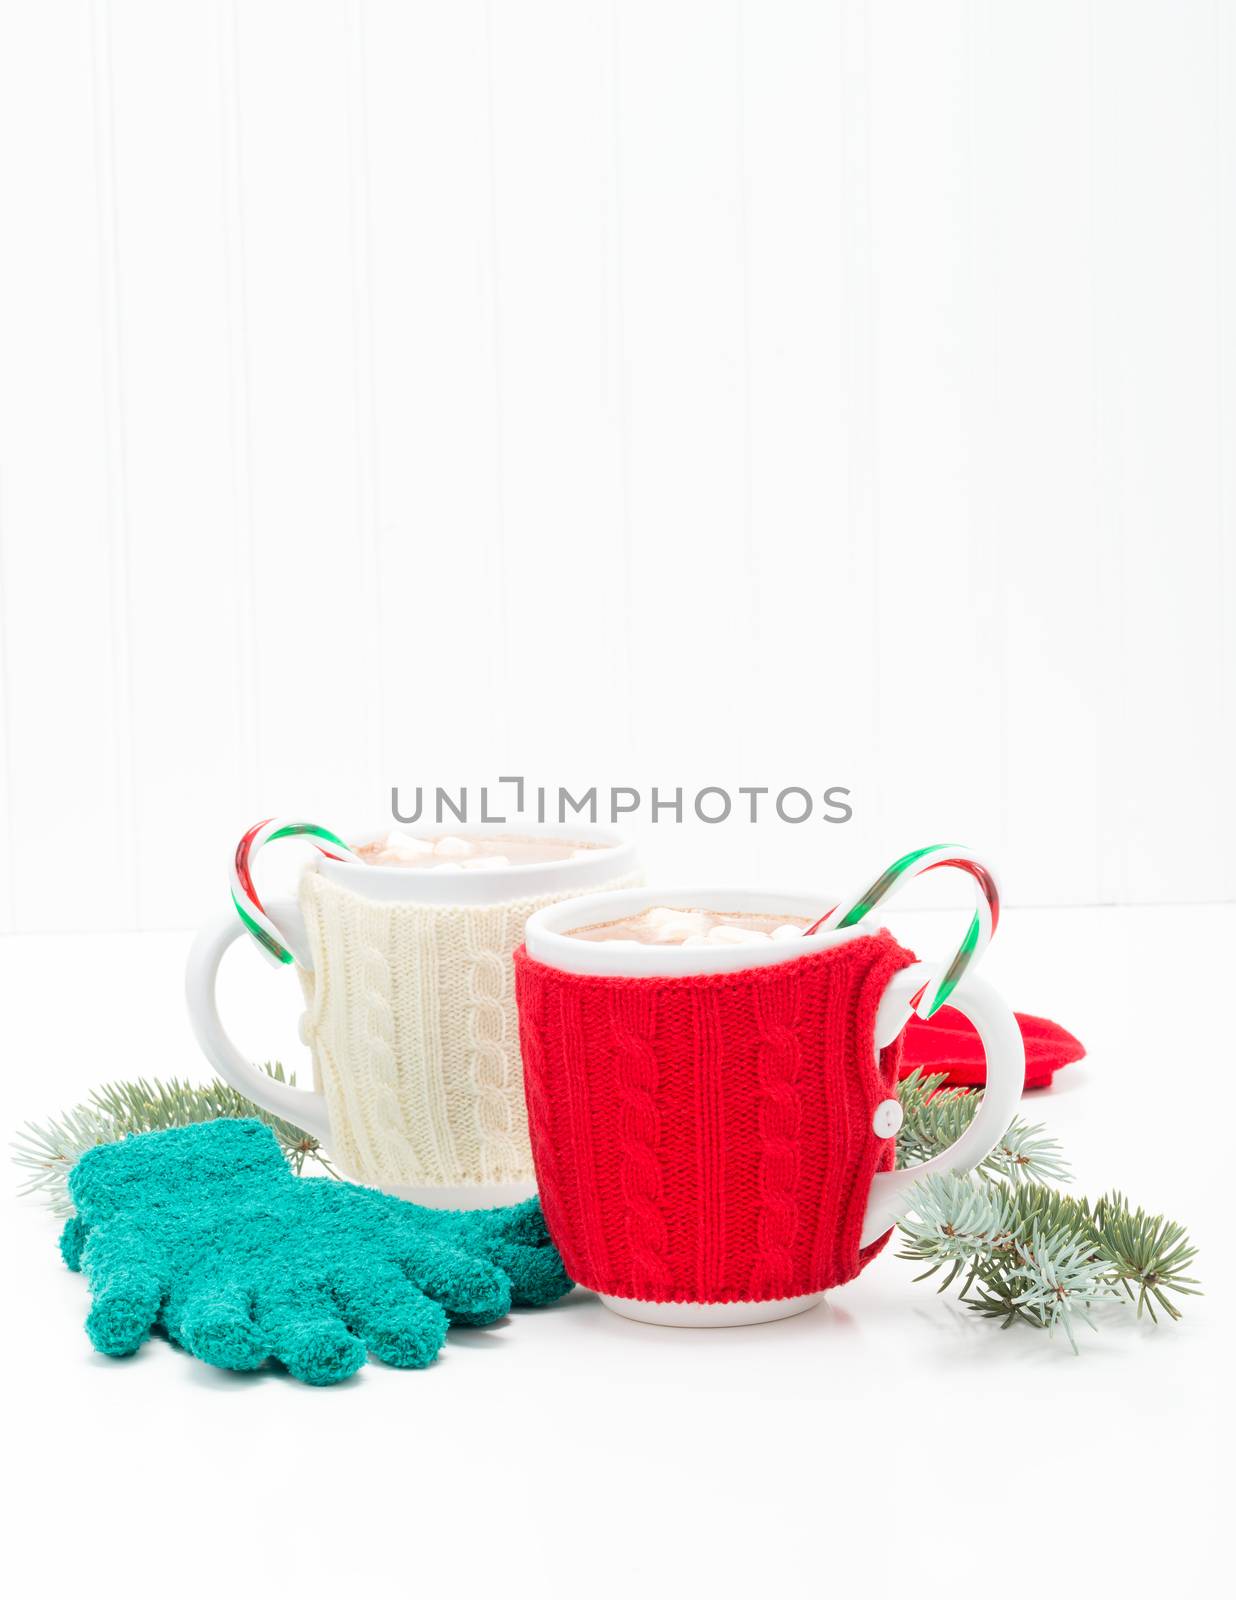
column 47, row 1152
column 1148, row 1254
column 934, row 1117
column 1023, row 1251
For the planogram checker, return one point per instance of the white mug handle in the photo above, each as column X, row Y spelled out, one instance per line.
column 300, row 1106
column 1006, row 1076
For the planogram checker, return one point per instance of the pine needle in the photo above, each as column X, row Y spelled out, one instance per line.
column 46, row 1152
column 934, row 1117
column 1031, row 1254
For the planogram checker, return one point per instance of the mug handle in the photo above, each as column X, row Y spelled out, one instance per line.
column 1002, row 1044
column 303, row 1107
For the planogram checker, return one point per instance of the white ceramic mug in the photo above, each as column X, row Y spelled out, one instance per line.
column 410, row 1013
column 622, row 1077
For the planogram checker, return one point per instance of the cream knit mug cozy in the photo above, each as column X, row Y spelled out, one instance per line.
column 410, row 1015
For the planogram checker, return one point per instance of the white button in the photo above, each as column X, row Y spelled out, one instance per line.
column 887, row 1119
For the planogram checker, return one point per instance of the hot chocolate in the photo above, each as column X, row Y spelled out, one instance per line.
column 666, row 925
column 451, row 852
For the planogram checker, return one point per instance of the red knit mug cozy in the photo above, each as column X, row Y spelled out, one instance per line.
column 712, row 1138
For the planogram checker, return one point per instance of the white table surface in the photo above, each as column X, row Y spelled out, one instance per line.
column 569, row 1451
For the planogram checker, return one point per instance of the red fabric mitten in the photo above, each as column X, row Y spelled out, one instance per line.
column 948, row 1043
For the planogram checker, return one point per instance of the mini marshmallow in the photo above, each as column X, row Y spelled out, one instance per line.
column 482, row 863
column 405, row 846
column 694, row 938
column 727, row 933
column 452, row 845
column 787, row 930
column 674, row 927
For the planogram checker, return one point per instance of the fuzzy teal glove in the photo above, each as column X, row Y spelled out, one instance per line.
column 205, row 1232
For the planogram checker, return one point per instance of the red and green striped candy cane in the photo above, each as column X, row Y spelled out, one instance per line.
column 245, row 896
column 934, row 994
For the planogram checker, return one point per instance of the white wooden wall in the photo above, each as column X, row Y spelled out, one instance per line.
column 395, row 391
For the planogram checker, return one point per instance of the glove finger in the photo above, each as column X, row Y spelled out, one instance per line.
column 521, row 1224
column 304, row 1331
column 537, row 1275
column 469, row 1289
column 399, row 1324
column 124, row 1308
column 73, row 1238
column 216, row 1325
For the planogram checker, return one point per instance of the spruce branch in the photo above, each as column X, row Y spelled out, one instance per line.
column 1027, row 1253
column 46, row 1152
column 934, row 1117
column 1148, row 1255
column 1062, row 1278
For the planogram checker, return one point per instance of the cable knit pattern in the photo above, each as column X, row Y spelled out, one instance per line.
column 780, row 1116
column 493, row 1065
column 411, row 1022
column 724, row 1123
column 540, row 1112
column 632, row 1016
column 389, row 1127
column 709, row 1108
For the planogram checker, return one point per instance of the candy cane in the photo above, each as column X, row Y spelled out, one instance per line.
column 245, row 897
column 934, row 994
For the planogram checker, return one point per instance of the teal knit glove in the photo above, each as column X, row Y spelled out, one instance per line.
column 205, row 1232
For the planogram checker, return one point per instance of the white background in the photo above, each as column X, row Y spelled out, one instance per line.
column 642, row 392
column 652, row 393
